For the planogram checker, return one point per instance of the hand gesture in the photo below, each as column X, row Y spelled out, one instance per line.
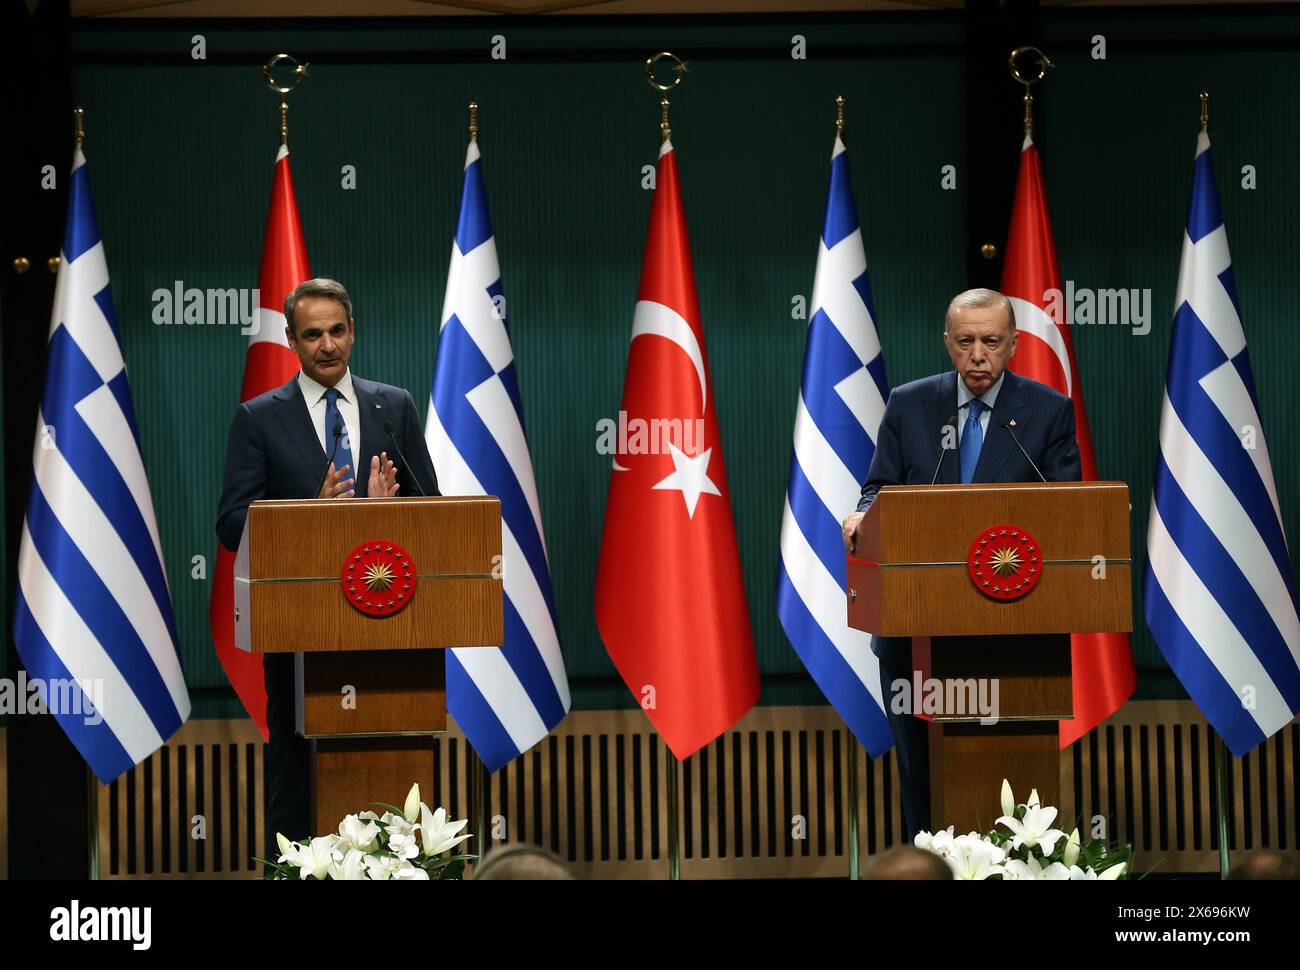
column 383, row 477
column 338, row 484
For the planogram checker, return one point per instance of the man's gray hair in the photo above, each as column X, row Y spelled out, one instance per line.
column 329, row 289
column 976, row 298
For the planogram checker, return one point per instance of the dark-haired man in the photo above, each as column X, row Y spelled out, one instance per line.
column 305, row 440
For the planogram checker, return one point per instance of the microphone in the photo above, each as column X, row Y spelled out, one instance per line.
column 1010, row 425
column 943, row 450
column 338, row 433
column 392, row 436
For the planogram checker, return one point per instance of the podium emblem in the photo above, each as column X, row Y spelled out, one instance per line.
column 1004, row 562
column 378, row 578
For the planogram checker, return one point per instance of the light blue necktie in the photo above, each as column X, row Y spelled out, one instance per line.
column 343, row 456
column 972, row 440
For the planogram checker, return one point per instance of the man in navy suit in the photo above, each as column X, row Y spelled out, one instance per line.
column 961, row 426
column 301, row 441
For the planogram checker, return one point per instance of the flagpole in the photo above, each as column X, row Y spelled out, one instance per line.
column 672, row 765
column 853, row 804
column 299, row 72
column 480, row 792
column 1221, row 800
column 852, row 743
column 674, row 830
column 1220, row 749
column 92, row 791
column 1043, row 64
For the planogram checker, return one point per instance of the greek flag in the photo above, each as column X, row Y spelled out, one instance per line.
column 841, row 401
column 507, row 699
column 93, row 621
column 1219, row 595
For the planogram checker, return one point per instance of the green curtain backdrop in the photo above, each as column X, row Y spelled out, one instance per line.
column 181, row 152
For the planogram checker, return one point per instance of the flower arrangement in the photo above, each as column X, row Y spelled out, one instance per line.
column 1026, row 846
column 405, row 843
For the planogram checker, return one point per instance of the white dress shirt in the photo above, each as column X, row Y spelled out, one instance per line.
column 964, row 397
column 314, row 394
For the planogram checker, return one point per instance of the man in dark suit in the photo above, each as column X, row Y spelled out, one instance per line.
column 300, row 441
column 975, row 411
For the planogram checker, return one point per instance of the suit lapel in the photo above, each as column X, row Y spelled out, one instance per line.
column 997, row 440
column 296, row 421
column 940, row 408
column 372, row 414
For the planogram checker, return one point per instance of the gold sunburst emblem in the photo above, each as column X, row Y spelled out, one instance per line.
column 378, row 576
column 1005, row 561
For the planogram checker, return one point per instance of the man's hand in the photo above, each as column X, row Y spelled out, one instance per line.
column 850, row 526
column 338, row 484
column 383, row 477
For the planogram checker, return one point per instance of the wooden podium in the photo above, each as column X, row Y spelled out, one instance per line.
column 368, row 592
column 915, row 573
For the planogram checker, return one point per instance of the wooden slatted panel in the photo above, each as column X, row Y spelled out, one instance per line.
column 209, row 761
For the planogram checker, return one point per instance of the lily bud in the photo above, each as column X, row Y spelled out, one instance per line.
column 411, row 810
column 1071, row 855
column 1008, row 799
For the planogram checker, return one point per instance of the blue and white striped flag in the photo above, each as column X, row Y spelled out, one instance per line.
column 93, row 622
column 507, row 699
column 1219, row 595
column 841, row 401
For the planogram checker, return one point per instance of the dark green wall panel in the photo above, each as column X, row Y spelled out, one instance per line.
column 181, row 157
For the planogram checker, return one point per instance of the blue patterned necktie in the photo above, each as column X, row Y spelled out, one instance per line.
column 972, row 440
column 343, row 456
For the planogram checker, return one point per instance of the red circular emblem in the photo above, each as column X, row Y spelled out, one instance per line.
column 378, row 577
column 1004, row 562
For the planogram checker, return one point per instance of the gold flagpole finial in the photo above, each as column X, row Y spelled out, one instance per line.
column 679, row 68
column 299, row 72
column 473, row 121
column 79, row 124
column 839, row 115
column 1029, row 81
column 1205, row 109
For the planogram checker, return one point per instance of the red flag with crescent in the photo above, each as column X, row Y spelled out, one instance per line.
column 269, row 363
column 670, row 597
column 1104, row 676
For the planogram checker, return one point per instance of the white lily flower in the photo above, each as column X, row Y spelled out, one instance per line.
column 971, row 857
column 1034, row 830
column 314, row 858
column 1032, row 868
column 1071, row 854
column 348, row 866
column 358, row 834
column 940, row 843
column 1008, row 799
column 437, row 835
column 1082, row 875
column 1113, row 873
column 396, row 825
column 1033, row 799
column 411, row 810
column 381, row 867
column 408, row 871
column 287, row 848
column 403, row 846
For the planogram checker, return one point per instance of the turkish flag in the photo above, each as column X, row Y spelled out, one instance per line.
column 1104, row 676
column 670, row 598
column 268, row 365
